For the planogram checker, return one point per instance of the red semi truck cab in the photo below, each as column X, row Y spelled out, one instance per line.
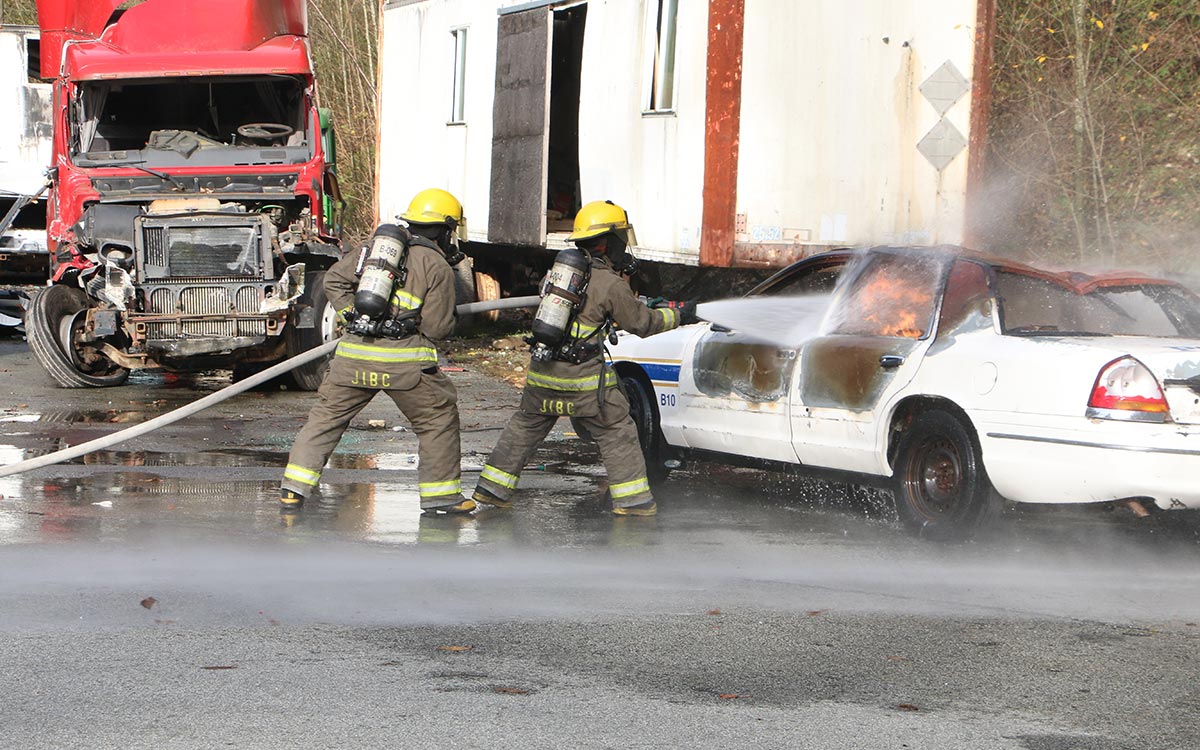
column 194, row 204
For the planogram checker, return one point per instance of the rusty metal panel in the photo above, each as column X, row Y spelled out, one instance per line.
column 981, row 105
column 722, row 130
column 520, row 129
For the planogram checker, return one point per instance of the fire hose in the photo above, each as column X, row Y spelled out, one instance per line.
column 228, row 392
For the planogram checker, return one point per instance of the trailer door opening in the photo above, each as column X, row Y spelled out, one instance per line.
column 562, row 173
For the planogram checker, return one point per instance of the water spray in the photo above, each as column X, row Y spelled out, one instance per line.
column 226, row 393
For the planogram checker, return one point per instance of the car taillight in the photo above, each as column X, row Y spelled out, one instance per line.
column 1126, row 389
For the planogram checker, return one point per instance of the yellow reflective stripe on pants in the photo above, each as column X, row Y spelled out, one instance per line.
column 502, row 478
column 302, row 475
column 626, row 489
column 367, row 353
column 437, row 489
column 569, row 384
column 406, row 301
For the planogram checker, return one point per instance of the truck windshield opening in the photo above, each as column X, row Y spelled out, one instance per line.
column 192, row 121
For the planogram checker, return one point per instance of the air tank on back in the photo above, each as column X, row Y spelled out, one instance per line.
column 378, row 278
column 562, row 292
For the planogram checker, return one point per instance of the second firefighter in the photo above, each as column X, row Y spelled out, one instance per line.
column 396, row 298
column 585, row 296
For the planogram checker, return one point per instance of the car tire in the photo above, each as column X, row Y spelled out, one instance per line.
column 49, row 325
column 645, row 418
column 308, row 376
column 941, row 487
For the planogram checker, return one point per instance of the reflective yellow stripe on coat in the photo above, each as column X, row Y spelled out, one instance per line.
column 406, row 301
column 366, row 353
column 580, row 331
column 552, row 383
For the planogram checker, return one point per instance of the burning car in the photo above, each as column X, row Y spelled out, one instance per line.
column 956, row 379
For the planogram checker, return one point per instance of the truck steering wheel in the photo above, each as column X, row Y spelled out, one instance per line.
column 265, row 131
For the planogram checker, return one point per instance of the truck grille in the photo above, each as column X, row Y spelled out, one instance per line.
column 156, row 246
column 204, row 246
column 205, row 301
column 209, row 329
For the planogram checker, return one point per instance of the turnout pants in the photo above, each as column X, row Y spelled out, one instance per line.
column 612, row 430
column 432, row 409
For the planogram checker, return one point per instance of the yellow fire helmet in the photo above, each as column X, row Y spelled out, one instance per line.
column 434, row 206
column 602, row 217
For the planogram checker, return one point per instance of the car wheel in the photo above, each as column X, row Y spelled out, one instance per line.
column 645, row 418
column 941, row 488
column 55, row 316
column 308, row 376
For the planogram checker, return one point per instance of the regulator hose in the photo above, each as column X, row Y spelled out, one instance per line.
column 228, row 392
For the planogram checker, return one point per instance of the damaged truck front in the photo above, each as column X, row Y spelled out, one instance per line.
column 194, row 205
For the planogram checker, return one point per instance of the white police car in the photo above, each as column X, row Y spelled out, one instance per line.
column 954, row 378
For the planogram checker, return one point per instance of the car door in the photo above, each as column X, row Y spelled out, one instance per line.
column 876, row 333
column 737, row 375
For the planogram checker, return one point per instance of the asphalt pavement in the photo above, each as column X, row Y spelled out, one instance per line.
column 153, row 596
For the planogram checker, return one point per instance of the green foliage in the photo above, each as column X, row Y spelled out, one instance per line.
column 345, row 41
column 1093, row 128
column 18, row 12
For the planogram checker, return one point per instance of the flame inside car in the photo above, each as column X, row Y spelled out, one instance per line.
column 888, row 295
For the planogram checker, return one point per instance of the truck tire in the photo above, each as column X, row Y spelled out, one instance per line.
column 308, row 377
column 941, row 487
column 487, row 289
column 645, row 417
column 49, row 326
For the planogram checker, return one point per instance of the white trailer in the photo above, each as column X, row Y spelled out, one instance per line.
column 25, row 136
column 737, row 133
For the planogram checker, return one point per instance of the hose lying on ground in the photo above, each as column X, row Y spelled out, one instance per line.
column 212, row 399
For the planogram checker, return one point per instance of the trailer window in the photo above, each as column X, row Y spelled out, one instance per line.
column 660, row 55
column 458, row 85
column 33, row 59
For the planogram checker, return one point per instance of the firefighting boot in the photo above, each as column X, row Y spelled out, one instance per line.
column 487, row 497
column 289, row 500
column 462, row 505
column 648, row 508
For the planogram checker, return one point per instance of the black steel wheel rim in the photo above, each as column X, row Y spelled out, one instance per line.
column 934, row 480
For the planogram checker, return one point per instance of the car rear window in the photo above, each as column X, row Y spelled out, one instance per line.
column 1033, row 306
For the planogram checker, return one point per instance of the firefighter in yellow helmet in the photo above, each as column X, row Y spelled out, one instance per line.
column 572, row 379
column 396, row 298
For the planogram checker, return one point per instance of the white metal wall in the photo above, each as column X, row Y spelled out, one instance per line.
column 417, row 148
column 25, row 128
column 653, row 165
column 832, row 115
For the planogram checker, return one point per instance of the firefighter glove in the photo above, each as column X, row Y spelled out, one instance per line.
column 687, row 313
